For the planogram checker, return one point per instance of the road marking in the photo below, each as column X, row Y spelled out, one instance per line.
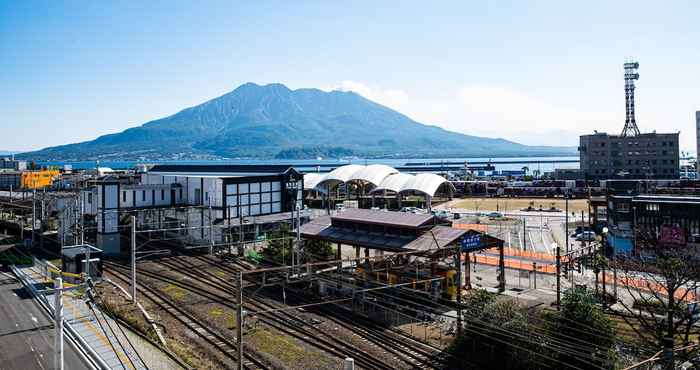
column 35, row 320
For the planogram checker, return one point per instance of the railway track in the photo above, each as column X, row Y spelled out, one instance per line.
column 282, row 321
column 225, row 346
column 403, row 347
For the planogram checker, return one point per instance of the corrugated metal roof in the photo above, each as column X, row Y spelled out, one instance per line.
column 220, row 169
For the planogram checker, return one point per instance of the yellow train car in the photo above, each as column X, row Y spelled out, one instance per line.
column 38, row 179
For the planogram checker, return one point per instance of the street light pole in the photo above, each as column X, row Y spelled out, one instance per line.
column 133, row 259
column 58, row 323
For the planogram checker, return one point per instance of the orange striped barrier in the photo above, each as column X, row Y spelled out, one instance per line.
column 513, row 263
column 650, row 286
column 476, row 227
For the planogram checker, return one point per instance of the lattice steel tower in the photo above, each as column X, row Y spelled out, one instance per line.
column 631, row 75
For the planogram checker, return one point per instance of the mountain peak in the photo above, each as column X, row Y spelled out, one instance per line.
column 267, row 120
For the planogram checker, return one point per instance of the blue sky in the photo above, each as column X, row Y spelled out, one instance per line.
column 538, row 72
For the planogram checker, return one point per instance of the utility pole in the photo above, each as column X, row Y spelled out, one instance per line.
column 58, row 324
column 33, row 215
column 239, row 322
column 524, row 234
column 458, row 264
column 211, row 232
column 558, row 276
column 81, row 221
column 566, row 221
column 133, row 259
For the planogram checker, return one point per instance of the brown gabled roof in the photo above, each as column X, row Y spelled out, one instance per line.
column 378, row 217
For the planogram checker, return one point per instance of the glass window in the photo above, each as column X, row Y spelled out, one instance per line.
column 265, row 198
column 276, row 197
column 276, row 186
column 255, row 209
column 265, row 186
column 244, row 199
column 265, row 208
column 255, row 187
column 243, row 188
column 231, row 189
column 254, row 198
column 276, row 207
column 232, row 200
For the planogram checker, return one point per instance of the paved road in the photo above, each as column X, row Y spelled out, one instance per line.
column 26, row 335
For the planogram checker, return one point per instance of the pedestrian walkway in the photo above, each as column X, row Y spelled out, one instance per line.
column 97, row 330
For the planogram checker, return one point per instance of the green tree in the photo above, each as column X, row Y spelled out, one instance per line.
column 585, row 327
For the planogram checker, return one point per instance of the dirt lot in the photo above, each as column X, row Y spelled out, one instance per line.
column 515, row 204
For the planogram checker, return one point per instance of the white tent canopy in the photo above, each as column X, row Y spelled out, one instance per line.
column 426, row 183
column 381, row 176
column 373, row 174
column 339, row 175
column 394, row 182
column 311, row 180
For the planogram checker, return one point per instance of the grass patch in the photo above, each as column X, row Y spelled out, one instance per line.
column 220, row 273
column 175, row 292
column 279, row 346
column 516, row 204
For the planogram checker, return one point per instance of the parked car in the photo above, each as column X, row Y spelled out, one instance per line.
column 339, row 207
column 586, row 236
column 441, row 214
column 495, row 215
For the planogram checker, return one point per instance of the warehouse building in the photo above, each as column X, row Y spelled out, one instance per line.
column 198, row 196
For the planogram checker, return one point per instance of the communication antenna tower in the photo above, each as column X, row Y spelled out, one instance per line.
column 631, row 75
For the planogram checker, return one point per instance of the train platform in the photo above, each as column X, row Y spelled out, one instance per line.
column 106, row 340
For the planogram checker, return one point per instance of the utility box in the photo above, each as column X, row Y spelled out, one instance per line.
column 73, row 260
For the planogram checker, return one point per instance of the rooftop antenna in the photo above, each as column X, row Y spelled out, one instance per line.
column 631, row 75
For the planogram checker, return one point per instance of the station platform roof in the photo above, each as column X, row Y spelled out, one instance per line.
column 429, row 238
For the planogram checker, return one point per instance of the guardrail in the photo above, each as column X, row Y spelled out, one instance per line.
column 88, row 354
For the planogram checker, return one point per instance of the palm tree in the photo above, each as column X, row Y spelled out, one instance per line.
column 536, row 173
column 525, row 169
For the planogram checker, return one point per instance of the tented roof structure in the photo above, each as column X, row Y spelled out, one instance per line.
column 340, row 175
column 426, row 183
column 381, row 176
column 373, row 174
column 393, row 182
column 311, row 180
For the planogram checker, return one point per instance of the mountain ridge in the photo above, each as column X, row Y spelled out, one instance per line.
column 266, row 121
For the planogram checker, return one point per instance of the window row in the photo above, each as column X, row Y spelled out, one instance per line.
column 254, row 210
column 253, row 187
column 233, row 200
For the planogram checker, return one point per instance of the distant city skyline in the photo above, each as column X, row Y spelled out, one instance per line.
column 540, row 73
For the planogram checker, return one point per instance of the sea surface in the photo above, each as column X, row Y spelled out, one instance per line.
column 544, row 164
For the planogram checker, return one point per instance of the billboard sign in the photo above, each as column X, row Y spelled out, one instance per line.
column 471, row 242
column 672, row 234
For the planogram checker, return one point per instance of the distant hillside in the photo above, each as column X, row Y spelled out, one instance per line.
column 274, row 121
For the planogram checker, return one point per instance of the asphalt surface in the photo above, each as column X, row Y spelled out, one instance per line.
column 26, row 334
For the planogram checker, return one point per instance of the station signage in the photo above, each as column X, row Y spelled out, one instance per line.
column 471, row 242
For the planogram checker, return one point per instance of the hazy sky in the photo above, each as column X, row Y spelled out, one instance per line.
column 530, row 71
